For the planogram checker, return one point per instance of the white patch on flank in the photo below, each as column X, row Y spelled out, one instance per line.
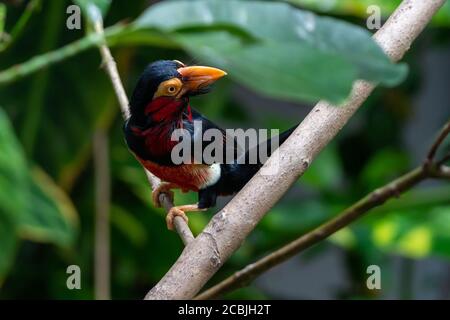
column 214, row 175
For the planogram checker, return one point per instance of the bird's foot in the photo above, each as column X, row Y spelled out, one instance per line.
column 164, row 187
column 174, row 212
column 180, row 211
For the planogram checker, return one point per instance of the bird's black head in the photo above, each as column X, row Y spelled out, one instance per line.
column 165, row 87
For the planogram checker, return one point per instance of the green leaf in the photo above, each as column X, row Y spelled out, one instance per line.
column 31, row 205
column 303, row 52
column 13, row 187
column 13, row 171
column 292, row 66
column 50, row 215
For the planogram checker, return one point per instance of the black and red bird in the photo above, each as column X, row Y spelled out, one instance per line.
column 159, row 105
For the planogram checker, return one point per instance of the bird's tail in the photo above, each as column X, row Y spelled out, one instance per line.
column 249, row 169
column 283, row 136
column 268, row 146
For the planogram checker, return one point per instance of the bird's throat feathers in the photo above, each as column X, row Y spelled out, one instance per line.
column 150, row 132
column 165, row 109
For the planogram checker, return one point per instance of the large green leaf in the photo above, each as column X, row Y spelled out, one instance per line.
column 13, row 189
column 310, row 57
column 13, row 170
column 50, row 215
column 271, row 47
column 280, row 76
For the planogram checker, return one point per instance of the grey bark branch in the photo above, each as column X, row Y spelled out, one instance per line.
column 110, row 65
column 202, row 257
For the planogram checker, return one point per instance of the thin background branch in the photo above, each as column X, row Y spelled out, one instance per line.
column 438, row 142
column 102, row 265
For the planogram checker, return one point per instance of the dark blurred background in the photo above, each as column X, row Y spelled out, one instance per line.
column 56, row 112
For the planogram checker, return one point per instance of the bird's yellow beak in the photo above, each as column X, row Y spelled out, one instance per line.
column 196, row 78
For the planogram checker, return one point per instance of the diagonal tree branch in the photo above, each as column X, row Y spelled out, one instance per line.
column 202, row 257
column 374, row 199
column 110, row 65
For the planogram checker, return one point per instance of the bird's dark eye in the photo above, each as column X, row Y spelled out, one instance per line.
column 172, row 89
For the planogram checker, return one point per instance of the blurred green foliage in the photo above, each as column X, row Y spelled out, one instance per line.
column 46, row 175
column 31, row 205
